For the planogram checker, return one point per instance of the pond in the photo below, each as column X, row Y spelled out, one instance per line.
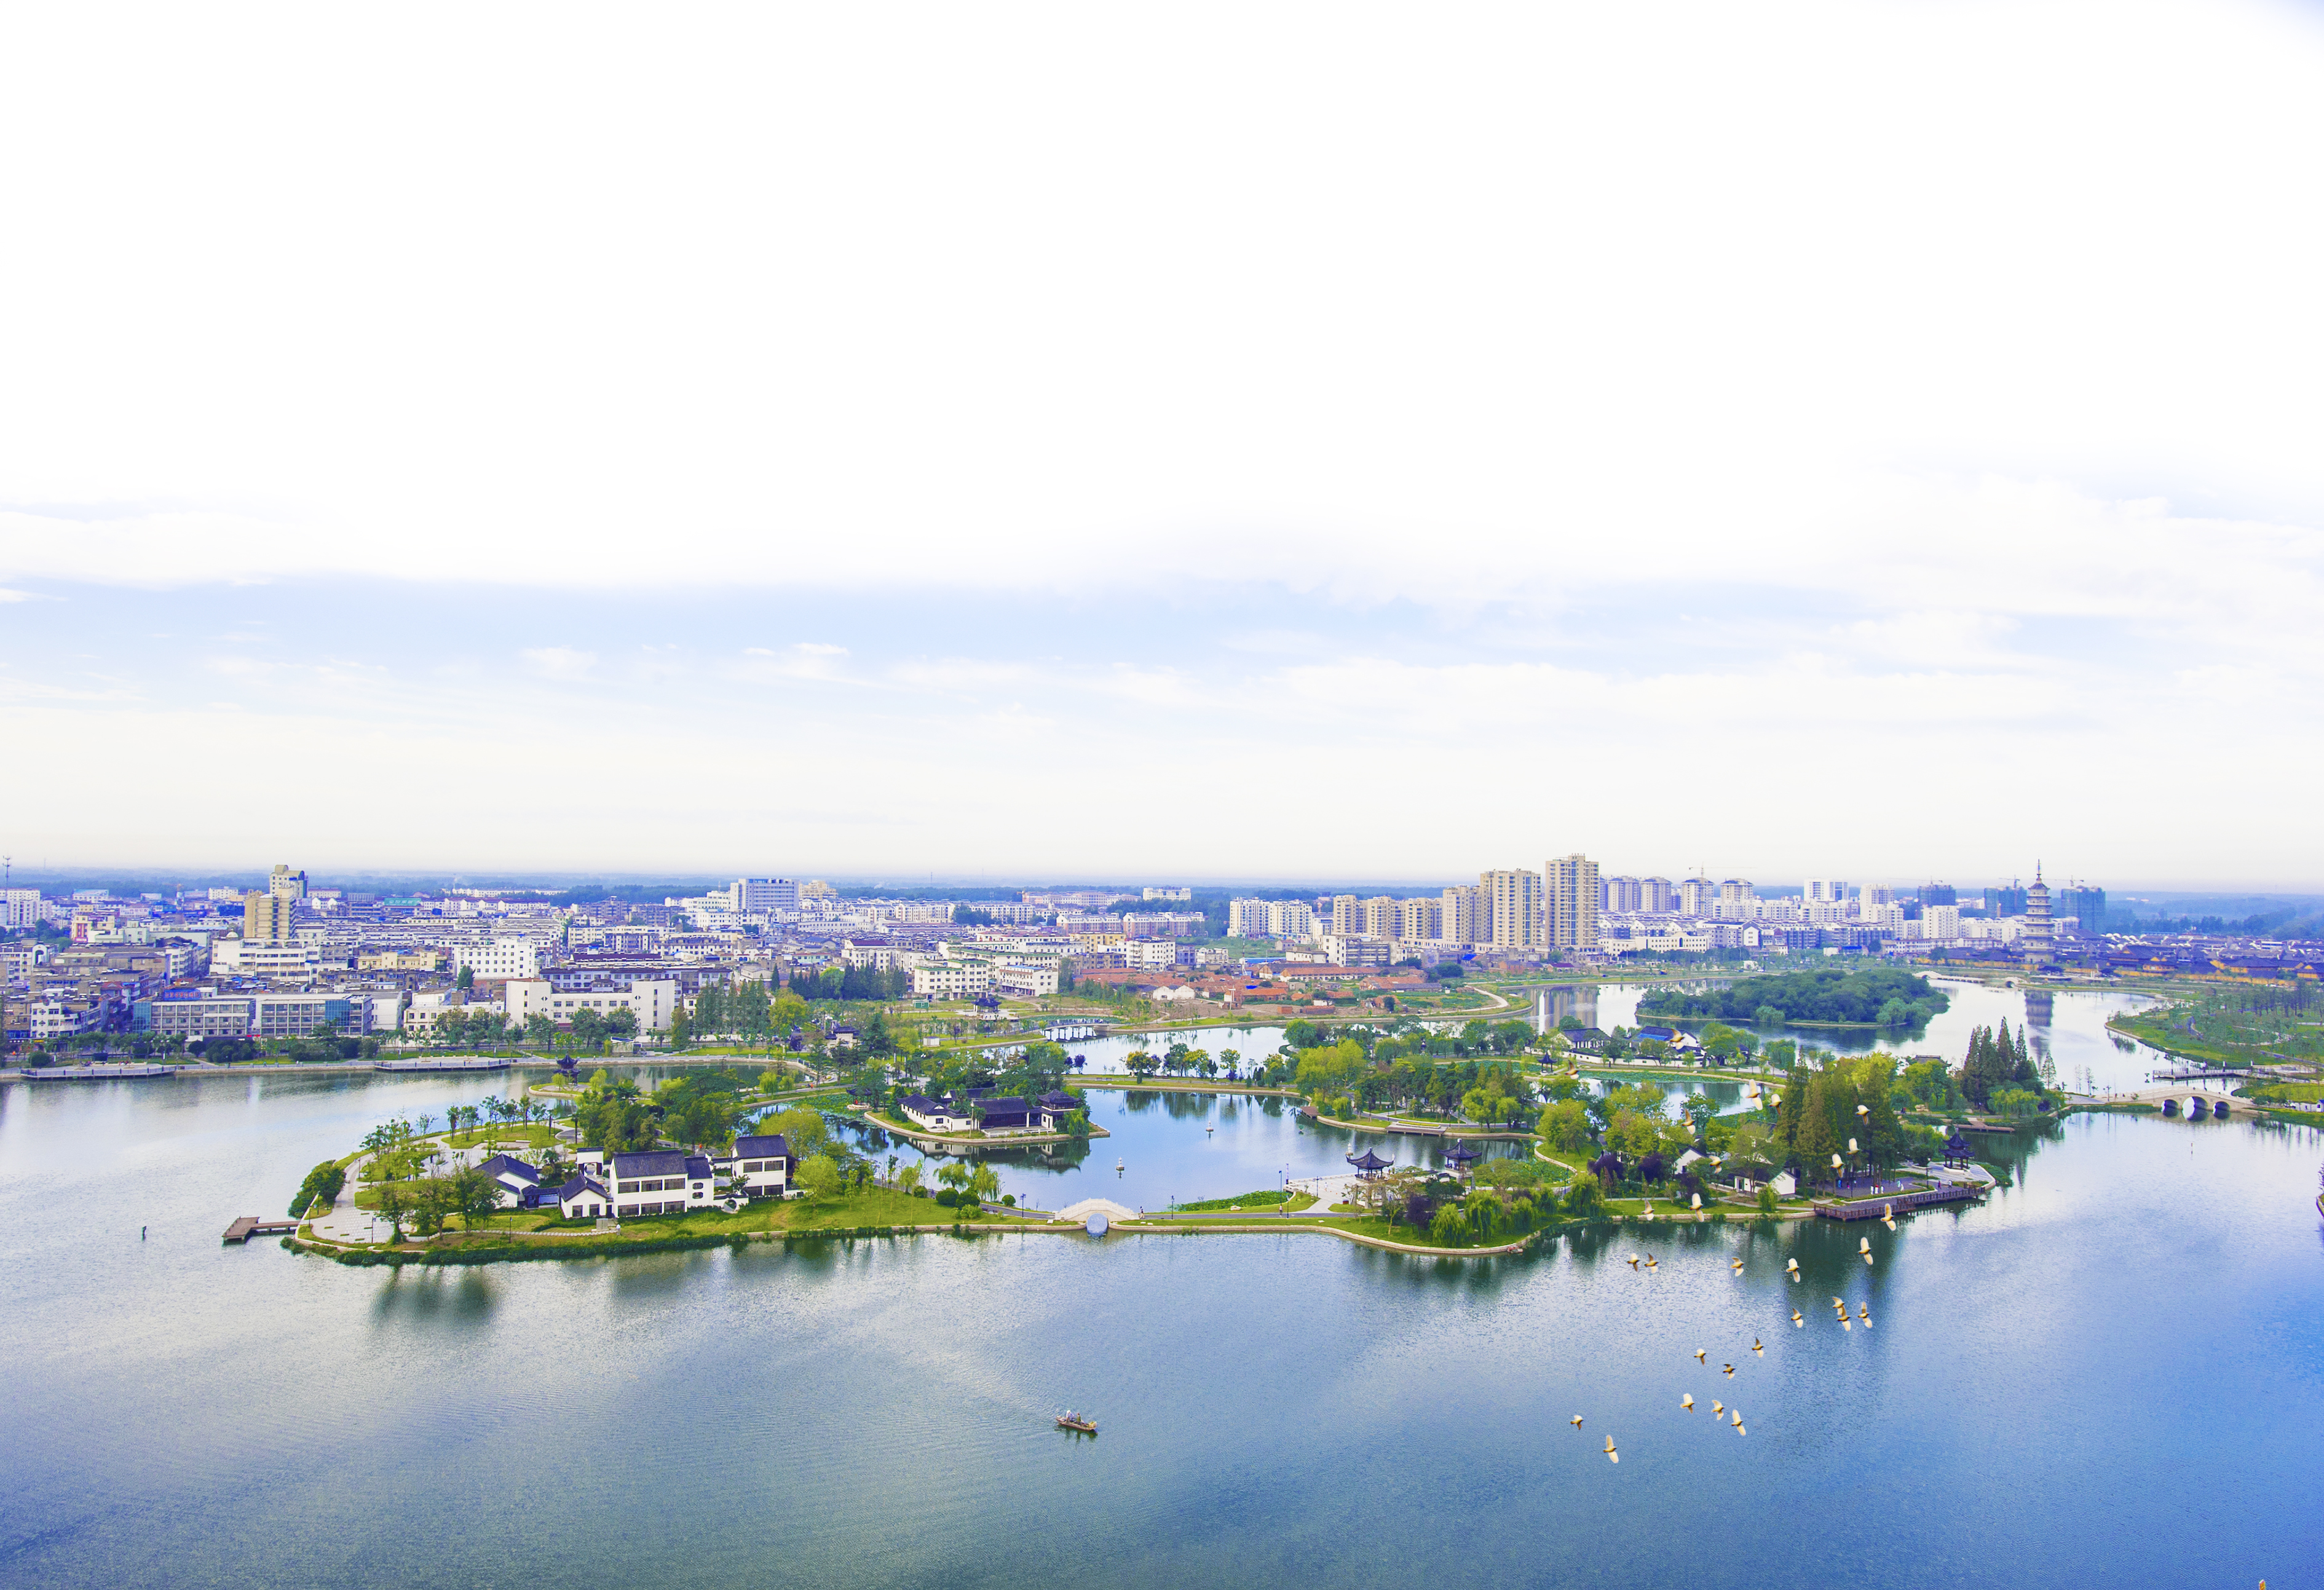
column 2067, row 1025
column 1169, row 1147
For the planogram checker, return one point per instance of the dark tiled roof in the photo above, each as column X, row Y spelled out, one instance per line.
column 657, row 1163
column 509, row 1165
column 922, row 1102
column 1060, row 1100
column 762, row 1148
column 697, row 1166
column 1004, row 1110
column 576, row 1186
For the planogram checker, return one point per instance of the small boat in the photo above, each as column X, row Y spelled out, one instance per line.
column 1070, row 1420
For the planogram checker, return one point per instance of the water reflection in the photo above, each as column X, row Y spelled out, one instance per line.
column 2068, row 1026
column 462, row 1294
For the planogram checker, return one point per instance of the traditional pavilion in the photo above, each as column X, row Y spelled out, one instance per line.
column 1368, row 1164
column 1462, row 1157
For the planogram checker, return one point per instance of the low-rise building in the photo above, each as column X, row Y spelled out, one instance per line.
column 660, row 1181
column 197, row 1015
column 764, row 1165
column 651, row 1003
column 297, row 1015
column 583, row 1197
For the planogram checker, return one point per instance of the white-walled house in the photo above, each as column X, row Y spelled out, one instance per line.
column 660, row 1182
column 936, row 1114
column 764, row 1163
column 583, row 1198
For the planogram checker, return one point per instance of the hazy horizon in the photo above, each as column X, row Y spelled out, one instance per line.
column 1223, row 443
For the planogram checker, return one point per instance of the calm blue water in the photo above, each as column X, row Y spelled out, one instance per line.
column 2067, row 1027
column 2111, row 1374
column 1174, row 1146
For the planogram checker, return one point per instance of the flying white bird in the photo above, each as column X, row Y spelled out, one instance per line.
column 1797, row 1321
column 1756, row 1347
column 1577, row 1421
column 1736, row 1267
column 1698, row 1354
column 1611, row 1455
column 1687, row 1401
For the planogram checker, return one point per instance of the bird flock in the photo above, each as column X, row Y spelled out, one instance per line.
column 1722, row 1414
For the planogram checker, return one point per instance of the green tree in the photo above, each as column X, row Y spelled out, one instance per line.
column 819, row 1177
column 1565, row 1125
column 909, row 1177
column 473, row 1196
column 803, row 1130
column 1585, row 1198
column 706, row 1120
column 392, row 1208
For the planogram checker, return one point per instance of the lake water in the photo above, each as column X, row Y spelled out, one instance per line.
column 2069, row 1027
column 2111, row 1373
column 1185, row 1147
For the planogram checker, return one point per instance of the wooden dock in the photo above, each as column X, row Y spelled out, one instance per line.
column 1950, row 1192
column 251, row 1226
column 442, row 1065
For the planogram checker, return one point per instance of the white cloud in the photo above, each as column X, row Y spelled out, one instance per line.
column 559, row 662
column 1347, row 389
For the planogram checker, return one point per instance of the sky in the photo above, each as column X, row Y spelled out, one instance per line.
column 1875, row 440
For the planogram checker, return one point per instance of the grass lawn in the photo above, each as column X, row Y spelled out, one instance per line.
column 1272, row 1198
column 1374, row 1226
column 878, row 1207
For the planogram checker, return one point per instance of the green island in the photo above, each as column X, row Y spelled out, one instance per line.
column 1873, row 995
column 2273, row 1034
column 1823, row 1127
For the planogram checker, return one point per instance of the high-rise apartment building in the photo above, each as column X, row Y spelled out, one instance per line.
column 1879, row 894
column 1570, row 896
column 1623, row 895
column 2086, row 903
column 1939, row 894
column 1736, row 902
column 1381, row 917
column 1656, row 894
column 2008, row 901
column 266, row 917
column 285, row 884
column 1941, row 921
column 1467, row 914
column 1347, row 914
column 1290, row 919
column 1420, row 917
column 1246, row 918
column 1698, row 897
column 759, row 896
column 1514, row 897
column 1823, row 891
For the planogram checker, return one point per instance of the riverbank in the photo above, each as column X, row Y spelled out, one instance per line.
column 493, row 1246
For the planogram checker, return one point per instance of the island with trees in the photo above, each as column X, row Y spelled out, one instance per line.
column 1866, row 995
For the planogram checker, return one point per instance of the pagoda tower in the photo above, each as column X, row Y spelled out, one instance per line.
column 2039, row 944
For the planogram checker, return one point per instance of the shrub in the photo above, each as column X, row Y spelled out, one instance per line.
column 1584, row 1198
